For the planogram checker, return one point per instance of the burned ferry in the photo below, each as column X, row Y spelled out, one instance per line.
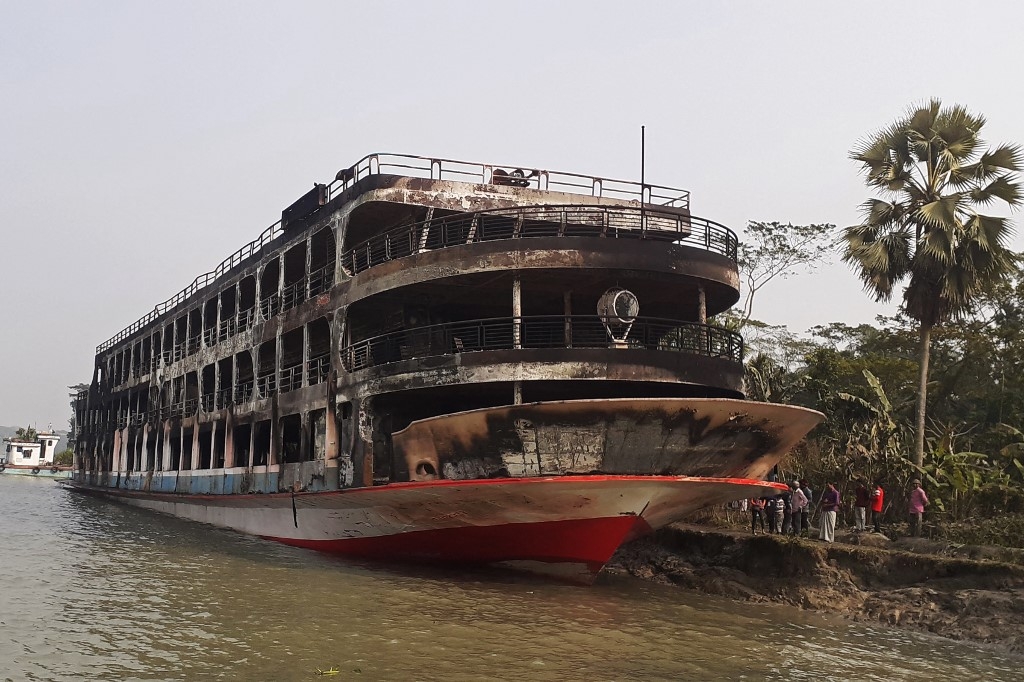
column 434, row 360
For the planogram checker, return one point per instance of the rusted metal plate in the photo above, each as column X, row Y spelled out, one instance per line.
column 664, row 436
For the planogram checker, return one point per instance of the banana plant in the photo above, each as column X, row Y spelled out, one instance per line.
column 1013, row 452
column 878, row 438
column 958, row 476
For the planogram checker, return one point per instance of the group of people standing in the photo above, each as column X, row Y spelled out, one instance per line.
column 789, row 512
column 786, row 513
column 864, row 498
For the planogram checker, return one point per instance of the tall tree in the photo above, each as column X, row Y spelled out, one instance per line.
column 771, row 250
column 932, row 177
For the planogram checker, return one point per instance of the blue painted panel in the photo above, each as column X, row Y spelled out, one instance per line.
column 216, row 481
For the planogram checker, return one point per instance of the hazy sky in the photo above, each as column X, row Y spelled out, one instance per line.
column 142, row 142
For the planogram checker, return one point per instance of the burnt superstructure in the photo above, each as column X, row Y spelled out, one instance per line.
column 406, row 289
column 421, row 326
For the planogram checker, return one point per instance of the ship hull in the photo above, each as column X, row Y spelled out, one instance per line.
column 562, row 526
column 36, row 472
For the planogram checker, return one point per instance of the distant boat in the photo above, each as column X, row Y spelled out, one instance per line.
column 32, row 457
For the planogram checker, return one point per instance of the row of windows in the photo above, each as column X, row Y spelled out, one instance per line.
column 206, row 446
column 303, row 272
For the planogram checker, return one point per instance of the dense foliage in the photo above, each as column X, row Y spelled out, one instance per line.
column 26, row 435
column 937, row 391
column 864, row 378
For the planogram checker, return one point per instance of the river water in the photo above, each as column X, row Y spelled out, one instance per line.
column 94, row 590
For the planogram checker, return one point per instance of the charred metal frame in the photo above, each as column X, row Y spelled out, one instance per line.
column 290, row 364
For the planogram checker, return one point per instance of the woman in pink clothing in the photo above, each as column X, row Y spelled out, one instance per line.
column 918, row 500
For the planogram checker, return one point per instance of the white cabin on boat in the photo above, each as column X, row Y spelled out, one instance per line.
column 31, row 453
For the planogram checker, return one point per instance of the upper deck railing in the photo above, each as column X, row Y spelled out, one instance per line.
column 435, row 169
column 384, row 163
column 541, row 331
column 525, row 222
column 201, row 282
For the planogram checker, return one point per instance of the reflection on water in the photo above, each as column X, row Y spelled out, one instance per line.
column 93, row 590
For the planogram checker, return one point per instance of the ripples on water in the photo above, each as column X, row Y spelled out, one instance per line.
column 93, row 590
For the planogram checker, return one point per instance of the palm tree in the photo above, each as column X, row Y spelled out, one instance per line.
column 932, row 175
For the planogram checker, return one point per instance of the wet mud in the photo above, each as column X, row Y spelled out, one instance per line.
column 972, row 594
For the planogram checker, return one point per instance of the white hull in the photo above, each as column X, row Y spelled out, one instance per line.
column 565, row 525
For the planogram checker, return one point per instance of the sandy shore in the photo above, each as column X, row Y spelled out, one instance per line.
column 964, row 593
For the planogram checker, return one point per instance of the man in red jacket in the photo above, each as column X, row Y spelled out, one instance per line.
column 877, row 504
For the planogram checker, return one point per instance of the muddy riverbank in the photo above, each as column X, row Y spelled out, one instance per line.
column 913, row 583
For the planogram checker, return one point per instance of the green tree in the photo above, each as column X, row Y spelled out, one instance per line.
column 72, row 422
column 1002, row 313
column 775, row 251
column 769, row 251
column 933, row 177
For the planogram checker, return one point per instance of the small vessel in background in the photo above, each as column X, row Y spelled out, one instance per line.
column 444, row 361
column 33, row 455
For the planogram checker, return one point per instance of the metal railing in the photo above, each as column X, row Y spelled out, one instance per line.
column 266, row 386
column 318, row 369
column 226, row 329
column 542, row 331
column 223, row 398
column 180, row 408
column 245, row 319
column 291, row 378
column 611, row 222
column 201, row 282
column 270, row 306
column 383, row 163
column 243, row 392
column 320, row 280
column 293, row 294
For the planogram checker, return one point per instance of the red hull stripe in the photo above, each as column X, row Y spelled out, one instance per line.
column 590, row 541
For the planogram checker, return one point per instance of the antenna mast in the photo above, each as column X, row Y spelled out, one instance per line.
column 643, row 180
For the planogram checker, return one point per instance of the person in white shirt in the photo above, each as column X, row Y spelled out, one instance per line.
column 798, row 504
